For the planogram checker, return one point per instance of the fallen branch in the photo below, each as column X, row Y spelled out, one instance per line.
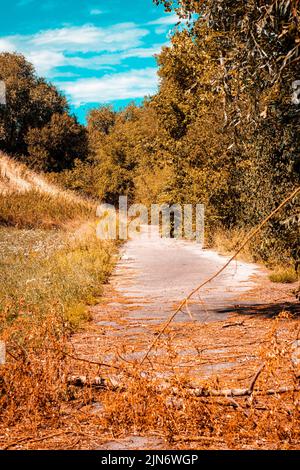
column 229, row 325
column 96, row 382
column 253, row 381
column 35, row 439
column 194, row 291
column 238, row 392
column 81, row 359
column 82, row 381
column 280, row 390
column 75, row 358
column 196, row 438
column 234, row 392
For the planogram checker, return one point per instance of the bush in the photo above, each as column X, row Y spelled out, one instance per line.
column 36, row 123
column 285, row 276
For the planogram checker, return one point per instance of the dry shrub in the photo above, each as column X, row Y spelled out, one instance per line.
column 48, row 278
column 214, row 422
column 145, row 404
column 35, row 390
column 284, row 275
column 227, row 242
column 258, row 250
column 33, row 380
column 144, row 408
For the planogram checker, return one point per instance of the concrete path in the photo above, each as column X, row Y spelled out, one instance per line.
column 152, row 276
column 155, row 273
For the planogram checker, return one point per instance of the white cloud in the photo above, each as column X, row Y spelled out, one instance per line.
column 165, row 23
column 91, row 48
column 46, row 61
column 62, row 47
column 126, row 85
column 6, row 45
column 50, row 49
column 112, row 59
column 96, row 12
column 66, row 74
column 95, row 62
column 142, row 52
column 86, row 38
column 89, row 38
column 167, row 20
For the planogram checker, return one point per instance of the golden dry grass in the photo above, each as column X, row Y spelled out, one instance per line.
column 52, row 266
column 140, row 403
column 284, row 275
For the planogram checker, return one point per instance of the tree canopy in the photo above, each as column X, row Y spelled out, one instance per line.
column 36, row 123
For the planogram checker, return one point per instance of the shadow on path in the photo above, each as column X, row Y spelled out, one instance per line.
column 269, row 310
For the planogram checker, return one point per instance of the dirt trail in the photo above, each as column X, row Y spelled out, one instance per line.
column 151, row 277
column 158, row 272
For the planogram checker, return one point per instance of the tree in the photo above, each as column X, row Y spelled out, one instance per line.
column 251, row 55
column 101, row 119
column 36, row 125
column 58, row 144
column 30, row 102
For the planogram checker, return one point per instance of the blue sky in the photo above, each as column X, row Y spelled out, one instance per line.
column 95, row 51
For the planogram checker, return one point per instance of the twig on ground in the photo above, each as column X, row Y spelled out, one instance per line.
column 239, row 392
column 36, row 439
column 229, row 325
column 254, row 380
column 196, row 438
column 81, row 381
column 81, row 359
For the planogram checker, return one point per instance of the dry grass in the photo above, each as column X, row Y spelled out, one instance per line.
column 161, row 399
column 48, row 278
column 27, row 200
column 145, row 403
column 226, row 242
column 37, row 210
column 141, row 403
column 52, row 267
column 16, row 177
column 284, row 275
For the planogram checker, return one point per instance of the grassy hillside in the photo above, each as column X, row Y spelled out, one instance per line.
column 51, row 267
column 27, row 200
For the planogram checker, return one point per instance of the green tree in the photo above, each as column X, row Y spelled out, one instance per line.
column 251, row 56
column 58, row 144
column 36, row 124
column 30, row 102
